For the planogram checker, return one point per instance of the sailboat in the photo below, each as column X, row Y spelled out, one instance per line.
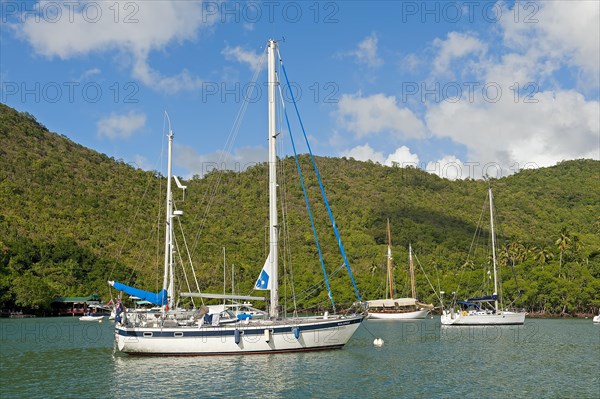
column 484, row 310
column 398, row 308
column 205, row 332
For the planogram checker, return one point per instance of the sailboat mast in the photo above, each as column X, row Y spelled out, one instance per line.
column 412, row 271
column 389, row 261
column 493, row 247
column 273, row 239
column 168, row 272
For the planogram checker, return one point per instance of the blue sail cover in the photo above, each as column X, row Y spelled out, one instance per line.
column 467, row 305
column 488, row 298
column 159, row 298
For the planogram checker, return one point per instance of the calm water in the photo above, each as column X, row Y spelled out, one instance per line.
column 66, row 358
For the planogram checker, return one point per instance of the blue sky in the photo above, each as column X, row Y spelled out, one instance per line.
column 456, row 88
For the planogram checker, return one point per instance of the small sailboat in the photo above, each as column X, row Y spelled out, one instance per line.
column 398, row 308
column 216, row 330
column 483, row 310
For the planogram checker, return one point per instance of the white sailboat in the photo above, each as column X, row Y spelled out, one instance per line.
column 398, row 308
column 208, row 331
column 483, row 310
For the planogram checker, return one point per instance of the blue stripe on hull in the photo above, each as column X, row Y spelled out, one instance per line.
column 228, row 331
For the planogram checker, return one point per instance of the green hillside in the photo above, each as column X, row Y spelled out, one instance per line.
column 71, row 218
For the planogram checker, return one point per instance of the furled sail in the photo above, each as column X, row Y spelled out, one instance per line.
column 159, row 298
column 264, row 279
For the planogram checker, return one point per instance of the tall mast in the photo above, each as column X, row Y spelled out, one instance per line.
column 412, row 271
column 273, row 239
column 168, row 272
column 389, row 261
column 493, row 247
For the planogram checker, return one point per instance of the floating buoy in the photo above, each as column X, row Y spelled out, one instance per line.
column 378, row 342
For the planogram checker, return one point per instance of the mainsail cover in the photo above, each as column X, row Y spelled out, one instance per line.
column 159, row 298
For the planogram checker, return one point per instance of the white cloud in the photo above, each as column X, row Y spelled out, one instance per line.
column 456, row 45
column 377, row 113
column 120, row 126
column 452, row 168
column 87, row 27
column 402, row 157
column 364, row 153
column 536, row 126
column 254, row 60
column 561, row 125
column 367, row 52
column 89, row 73
column 564, row 32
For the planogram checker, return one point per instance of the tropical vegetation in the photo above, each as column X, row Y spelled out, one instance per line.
column 72, row 218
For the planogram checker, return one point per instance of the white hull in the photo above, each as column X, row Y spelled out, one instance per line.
column 417, row 314
column 482, row 318
column 596, row 319
column 255, row 337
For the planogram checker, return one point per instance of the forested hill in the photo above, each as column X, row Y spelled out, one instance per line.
column 71, row 218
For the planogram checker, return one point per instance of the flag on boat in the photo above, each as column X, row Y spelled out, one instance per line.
column 264, row 279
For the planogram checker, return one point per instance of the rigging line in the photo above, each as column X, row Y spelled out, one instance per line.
column 183, row 268
column 332, row 219
column 130, row 228
column 211, row 193
column 288, row 265
column 310, row 215
column 187, row 250
column 309, row 291
column 475, row 236
column 425, row 274
column 511, row 259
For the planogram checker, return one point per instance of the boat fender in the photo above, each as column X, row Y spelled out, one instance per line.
column 267, row 335
column 237, row 336
column 296, row 332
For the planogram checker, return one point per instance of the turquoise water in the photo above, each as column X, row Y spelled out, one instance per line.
column 66, row 358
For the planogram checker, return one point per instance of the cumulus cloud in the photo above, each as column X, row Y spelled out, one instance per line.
column 456, row 45
column 402, row 157
column 557, row 126
column 364, row 153
column 559, row 32
column 532, row 122
column 377, row 113
column 117, row 126
column 88, row 27
column 452, row 168
column 366, row 52
column 254, row 60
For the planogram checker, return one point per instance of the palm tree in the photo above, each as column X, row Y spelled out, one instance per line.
column 543, row 256
column 563, row 242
